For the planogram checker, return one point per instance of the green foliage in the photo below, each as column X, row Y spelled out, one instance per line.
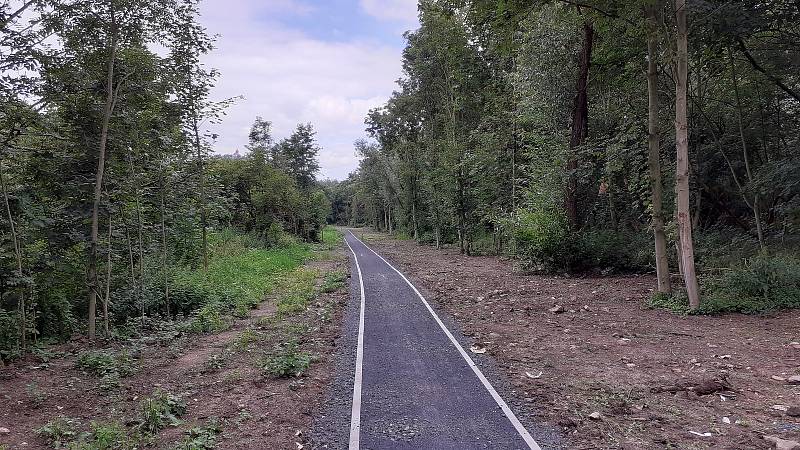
column 296, row 289
column 161, row 410
column 239, row 275
column 541, row 237
column 208, row 319
column 760, row 284
column 104, row 436
column 60, row 431
column 333, row 281
column 106, row 363
column 286, row 361
column 201, row 438
column 676, row 302
column 9, row 335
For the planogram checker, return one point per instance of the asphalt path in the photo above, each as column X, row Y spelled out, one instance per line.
column 414, row 385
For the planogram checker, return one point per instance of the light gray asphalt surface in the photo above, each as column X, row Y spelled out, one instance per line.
column 418, row 391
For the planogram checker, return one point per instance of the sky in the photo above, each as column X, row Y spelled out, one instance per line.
column 327, row 62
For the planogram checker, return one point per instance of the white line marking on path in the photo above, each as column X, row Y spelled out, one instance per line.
column 355, row 412
column 500, row 402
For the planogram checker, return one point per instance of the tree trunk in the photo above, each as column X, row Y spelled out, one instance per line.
column 107, row 297
column 21, row 307
column 580, row 125
column 91, row 273
column 654, row 155
column 682, row 150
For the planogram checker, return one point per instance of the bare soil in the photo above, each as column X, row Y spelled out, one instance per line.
column 584, row 345
column 216, row 378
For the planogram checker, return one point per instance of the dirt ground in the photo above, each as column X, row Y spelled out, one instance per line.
column 610, row 373
column 217, row 375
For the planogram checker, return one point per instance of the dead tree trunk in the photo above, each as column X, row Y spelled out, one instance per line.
column 682, row 150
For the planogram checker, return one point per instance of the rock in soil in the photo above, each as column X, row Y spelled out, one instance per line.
column 793, row 411
column 558, row 309
column 794, row 379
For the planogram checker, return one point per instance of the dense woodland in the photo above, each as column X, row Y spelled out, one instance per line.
column 599, row 136
column 111, row 198
column 578, row 137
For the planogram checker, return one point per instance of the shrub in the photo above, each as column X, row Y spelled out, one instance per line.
column 60, row 431
column 610, row 251
column 759, row 284
column 161, row 410
column 541, row 236
column 208, row 319
column 287, row 362
column 201, row 438
column 104, row 363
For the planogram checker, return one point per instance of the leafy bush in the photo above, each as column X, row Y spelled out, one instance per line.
column 103, row 363
column 759, row 284
column 161, row 410
column 610, row 251
column 208, row 319
column 201, row 438
column 9, row 335
column 60, row 431
column 540, row 236
column 287, row 362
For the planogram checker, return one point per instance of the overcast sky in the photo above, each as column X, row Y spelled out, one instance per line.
column 321, row 61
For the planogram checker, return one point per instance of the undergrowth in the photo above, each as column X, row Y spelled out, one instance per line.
column 286, row 361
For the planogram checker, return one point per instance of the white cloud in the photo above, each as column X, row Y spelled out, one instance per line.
column 289, row 77
column 393, row 10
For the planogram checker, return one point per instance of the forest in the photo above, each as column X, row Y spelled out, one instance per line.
column 598, row 137
column 114, row 209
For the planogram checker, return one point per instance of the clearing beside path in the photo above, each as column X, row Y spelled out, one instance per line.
column 593, row 361
column 255, row 385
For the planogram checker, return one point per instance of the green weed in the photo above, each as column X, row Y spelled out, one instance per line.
column 160, row 411
column 333, row 281
column 105, row 363
column 287, row 361
column 297, row 290
column 60, row 431
column 757, row 285
column 201, row 438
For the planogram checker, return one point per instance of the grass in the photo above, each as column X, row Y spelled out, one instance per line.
column 201, row 438
column 239, row 276
column 297, row 289
column 333, row 281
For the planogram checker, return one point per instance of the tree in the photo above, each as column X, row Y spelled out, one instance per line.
column 682, row 146
column 297, row 155
column 654, row 149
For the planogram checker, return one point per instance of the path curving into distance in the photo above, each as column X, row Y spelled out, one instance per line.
column 414, row 385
